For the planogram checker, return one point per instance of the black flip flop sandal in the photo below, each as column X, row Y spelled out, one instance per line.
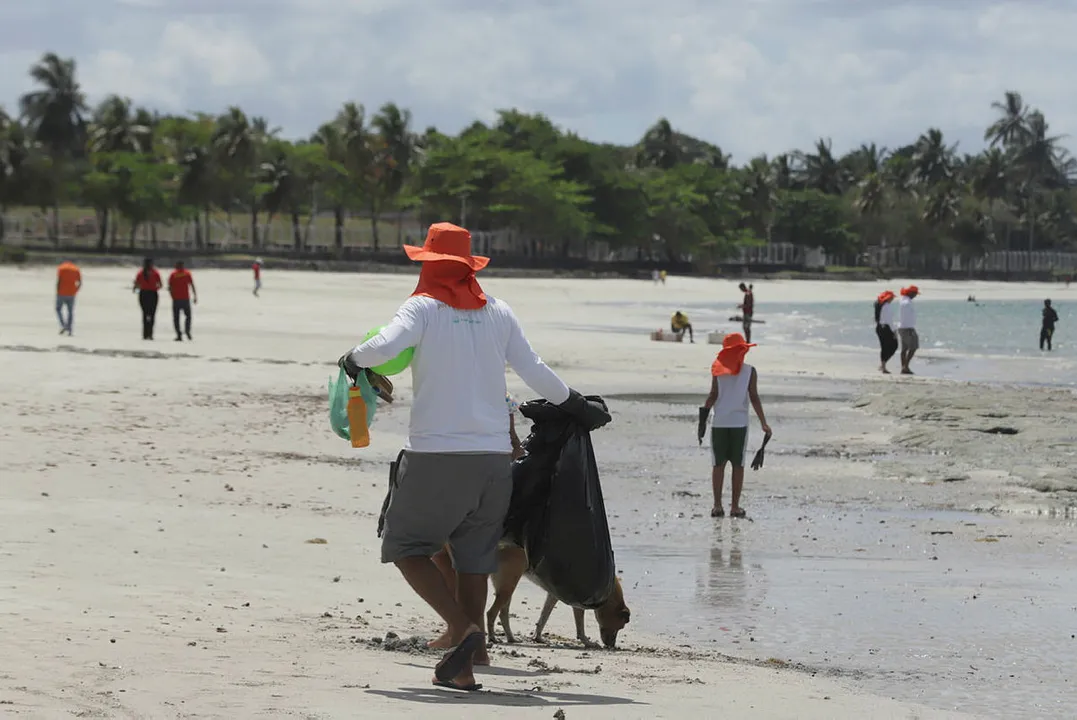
column 453, row 662
column 473, row 687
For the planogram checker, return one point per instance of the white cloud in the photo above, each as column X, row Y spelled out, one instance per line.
column 750, row 75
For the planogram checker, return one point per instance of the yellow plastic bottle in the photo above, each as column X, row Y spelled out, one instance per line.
column 357, row 426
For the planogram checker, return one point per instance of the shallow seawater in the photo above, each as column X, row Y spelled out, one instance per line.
column 873, row 595
column 996, row 341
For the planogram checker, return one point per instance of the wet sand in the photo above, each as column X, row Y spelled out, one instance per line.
column 158, row 501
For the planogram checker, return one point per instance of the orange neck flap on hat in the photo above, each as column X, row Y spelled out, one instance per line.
column 729, row 361
column 452, row 283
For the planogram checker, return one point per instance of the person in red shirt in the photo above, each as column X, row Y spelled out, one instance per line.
column 181, row 288
column 68, row 284
column 147, row 283
column 257, row 268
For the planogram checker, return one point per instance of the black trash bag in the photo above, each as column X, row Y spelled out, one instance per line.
column 557, row 514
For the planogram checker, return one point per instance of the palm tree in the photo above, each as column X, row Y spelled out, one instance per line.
column 1011, row 128
column 933, row 158
column 393, row 126
column 54, row 118
column 357, row 147
column 336, row 185
column 758, row 196
column 821, row 170
column 866, row 160
column 782, row 172
column 186, row 144
column 13, row 155
column 235, row 153
column 116, row 129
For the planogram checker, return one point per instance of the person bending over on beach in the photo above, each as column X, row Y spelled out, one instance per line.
column 734, row 384
column 678, row 323
column 444, row 561
column 884, row 328
column 147, row 283
column 1047, row 329
column 454, row 477
column 910, row 339
column 747, row 309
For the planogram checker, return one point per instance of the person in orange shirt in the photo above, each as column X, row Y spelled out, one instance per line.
column 68, row 282
column 147, row 283
column 181, row 288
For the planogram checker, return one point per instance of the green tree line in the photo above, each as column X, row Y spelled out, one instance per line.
column 670, row 195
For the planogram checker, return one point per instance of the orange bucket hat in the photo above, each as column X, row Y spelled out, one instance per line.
column 731, row 357
column 911, row 290
column 445, row 241
column 885, row 296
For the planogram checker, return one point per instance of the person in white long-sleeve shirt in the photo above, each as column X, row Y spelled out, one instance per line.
column 454, row 478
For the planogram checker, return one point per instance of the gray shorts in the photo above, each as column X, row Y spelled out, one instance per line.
column 910, row 340
column 455, row 498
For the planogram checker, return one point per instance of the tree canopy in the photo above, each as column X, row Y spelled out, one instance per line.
column 670, row 195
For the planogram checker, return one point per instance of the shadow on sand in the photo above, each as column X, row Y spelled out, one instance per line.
column 504, row 698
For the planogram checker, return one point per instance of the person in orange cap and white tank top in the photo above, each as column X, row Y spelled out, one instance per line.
column 733, row 386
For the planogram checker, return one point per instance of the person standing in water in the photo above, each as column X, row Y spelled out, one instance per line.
column 181, row 288
column 910, row 339
column 147, row 283
column 678, row 323
column 734, row 384
column 747, row 309
column 884, row 328
column 68, row 284
column 1047, row 329
column 257, row 268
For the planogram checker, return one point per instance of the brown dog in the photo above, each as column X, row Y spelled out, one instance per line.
column 512, row 565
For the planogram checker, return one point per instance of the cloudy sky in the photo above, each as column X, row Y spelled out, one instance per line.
column 750, row 75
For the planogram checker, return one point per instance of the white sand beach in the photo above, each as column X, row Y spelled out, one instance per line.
column 158, row 503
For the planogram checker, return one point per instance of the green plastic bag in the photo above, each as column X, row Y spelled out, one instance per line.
column 338, row 402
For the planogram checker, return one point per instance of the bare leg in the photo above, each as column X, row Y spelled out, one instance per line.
column 738, row 485
column 471, row 597
column 444, row 565
column 425, row 579
column 717, row 481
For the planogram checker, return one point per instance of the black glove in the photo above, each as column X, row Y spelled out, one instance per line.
column 592, row 414
column 704, row 415
column 350, row 368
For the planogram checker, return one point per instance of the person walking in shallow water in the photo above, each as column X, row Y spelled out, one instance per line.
column 147, row 283
column 734, row 384
column 884, row 328
column 1047, row 328
column 747, row 309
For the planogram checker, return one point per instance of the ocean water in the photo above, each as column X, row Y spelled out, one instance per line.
column 985, row 328
column 984, row 341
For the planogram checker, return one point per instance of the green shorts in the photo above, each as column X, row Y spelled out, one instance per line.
column 728, row 445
